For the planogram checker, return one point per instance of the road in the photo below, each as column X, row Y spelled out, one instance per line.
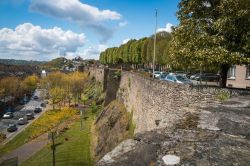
column 28, row 108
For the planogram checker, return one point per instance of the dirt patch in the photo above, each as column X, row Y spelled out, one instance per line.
column 190, row 121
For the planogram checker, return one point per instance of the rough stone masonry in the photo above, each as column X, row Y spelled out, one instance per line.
column 174, row 119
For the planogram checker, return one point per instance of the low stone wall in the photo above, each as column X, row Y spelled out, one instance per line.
column 155, row 104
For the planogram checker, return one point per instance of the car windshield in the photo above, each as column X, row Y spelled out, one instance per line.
column 181, row 78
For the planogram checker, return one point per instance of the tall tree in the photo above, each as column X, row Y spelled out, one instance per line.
column 212, row 32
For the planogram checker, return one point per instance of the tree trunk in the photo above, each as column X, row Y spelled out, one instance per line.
column 53, row 103
column 75, row 100
column 223, row 75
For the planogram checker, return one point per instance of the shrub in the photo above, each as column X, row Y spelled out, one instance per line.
column 222, row 95
column 131, row 125
column 117, row 74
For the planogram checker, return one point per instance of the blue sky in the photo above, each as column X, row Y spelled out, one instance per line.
column 45, row 29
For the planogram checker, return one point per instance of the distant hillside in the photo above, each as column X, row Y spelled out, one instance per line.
column 56, row 64
column 19, row 62
column 18, row 70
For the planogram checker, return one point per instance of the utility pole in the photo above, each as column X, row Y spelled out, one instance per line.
column 155, row 43
column 81, row 112
column 53, row 147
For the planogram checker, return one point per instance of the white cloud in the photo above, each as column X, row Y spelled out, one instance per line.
column 123, row 24
column 125, row 40
column 74, row 10
column 28, row 41
column 92, row 52
column 168, row 28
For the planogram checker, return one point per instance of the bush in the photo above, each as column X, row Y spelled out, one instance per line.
column 117, row 74
column 222, row 95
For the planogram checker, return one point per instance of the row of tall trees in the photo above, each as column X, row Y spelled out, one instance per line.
column 210, row 34
column 64, row 87
column 139, row 52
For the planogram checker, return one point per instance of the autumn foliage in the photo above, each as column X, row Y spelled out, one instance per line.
column 16, row 87
column 64, row 87
column 50, row 121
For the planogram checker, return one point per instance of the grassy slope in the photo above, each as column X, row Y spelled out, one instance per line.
column 74, row 151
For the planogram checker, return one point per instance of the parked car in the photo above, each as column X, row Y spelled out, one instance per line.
column 11, row 128
column 30, row 116
column 192, row 77
column 163, row 75
column 189, row 74
column 22, row 121
column 8, row 115
column 157, row 74
column 35, row 97
column 207, row 77
column 21, row 102
column 38, row 110
column 43, row 104
column 178, row 79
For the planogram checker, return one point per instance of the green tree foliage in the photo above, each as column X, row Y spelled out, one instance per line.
column 56, row 64
column 212, row 32
column 139, row 52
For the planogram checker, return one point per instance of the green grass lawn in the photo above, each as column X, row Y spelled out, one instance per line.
column 74, row 151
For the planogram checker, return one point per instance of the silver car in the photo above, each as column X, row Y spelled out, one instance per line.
column 8, row 115
column 22, row 121
column 178, row 79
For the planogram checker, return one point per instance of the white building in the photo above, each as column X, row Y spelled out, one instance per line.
column 44, row 74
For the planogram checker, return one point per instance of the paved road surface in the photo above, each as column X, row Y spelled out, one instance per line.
column 29, row 107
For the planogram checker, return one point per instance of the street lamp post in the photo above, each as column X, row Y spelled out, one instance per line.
column 81, row 112
column 155, row 43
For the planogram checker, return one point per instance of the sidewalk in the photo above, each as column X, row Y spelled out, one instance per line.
column 27, row 150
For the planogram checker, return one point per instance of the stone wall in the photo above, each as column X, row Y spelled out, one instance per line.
column 157, row 104
column 100, row 75
column 97, row 73
column 154, row 104
column 111, row 85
